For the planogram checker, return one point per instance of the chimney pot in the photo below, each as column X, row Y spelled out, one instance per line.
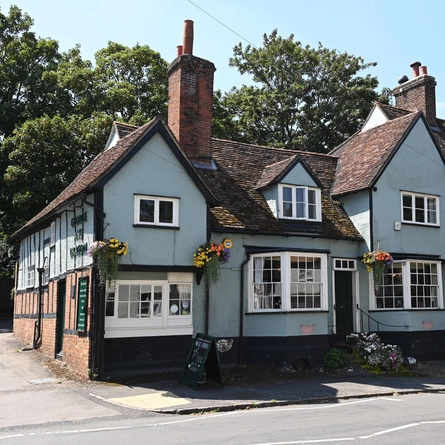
column 188, row 37
column 415, row 66
column 423, row 70
column 179, row 50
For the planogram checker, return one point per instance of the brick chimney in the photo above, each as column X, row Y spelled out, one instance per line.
column 418, row 93
column 190, row 100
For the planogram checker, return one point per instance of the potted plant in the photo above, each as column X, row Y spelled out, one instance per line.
column 376, row 262
column 107, row 254
column 209, row 257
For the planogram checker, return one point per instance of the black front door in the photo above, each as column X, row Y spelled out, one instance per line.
column 343, row 302
column 61, row 297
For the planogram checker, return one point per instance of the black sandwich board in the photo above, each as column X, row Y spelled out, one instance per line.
column 203, row 356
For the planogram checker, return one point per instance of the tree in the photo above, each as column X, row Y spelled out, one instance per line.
column 23, row 60
column 133, row 82
column 302, row 98
column 46, row 154
column 56, row 111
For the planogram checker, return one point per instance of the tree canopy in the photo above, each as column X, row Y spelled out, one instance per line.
column 302, row 98
column 56, row 111
column 56, row 108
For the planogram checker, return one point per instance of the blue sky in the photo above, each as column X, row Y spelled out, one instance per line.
column 392, row 33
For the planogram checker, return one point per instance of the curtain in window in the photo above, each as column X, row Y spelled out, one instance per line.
column 259, row 301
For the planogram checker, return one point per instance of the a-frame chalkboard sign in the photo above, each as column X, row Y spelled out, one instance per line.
column 203, row 356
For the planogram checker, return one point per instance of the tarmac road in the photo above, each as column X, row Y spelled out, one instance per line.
column 31, row 395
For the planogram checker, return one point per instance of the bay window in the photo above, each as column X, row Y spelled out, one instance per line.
column 288, row 281
column 410, row 284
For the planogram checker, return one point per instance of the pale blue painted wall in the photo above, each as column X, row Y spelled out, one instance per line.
column 357, row 207
column 155, row 170
column 299, row 176
column 416, row 167
column 225, row 296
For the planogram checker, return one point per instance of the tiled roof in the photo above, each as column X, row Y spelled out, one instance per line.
column 363, row 156
column 274, row 171
column 124, row 129
column 393, row 113
column 241, row 167
column 99, row 168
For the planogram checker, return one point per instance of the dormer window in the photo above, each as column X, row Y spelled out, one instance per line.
column 299, row 202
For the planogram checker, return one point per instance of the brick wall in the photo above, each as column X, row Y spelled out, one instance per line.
column 76, row 345
column 418, row 94
column 190, row 105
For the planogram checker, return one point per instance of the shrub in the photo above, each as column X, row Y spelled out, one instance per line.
column 376, row 355
column 334, row 359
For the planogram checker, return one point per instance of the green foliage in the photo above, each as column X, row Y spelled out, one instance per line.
column 302, row 98
column 23, row 60
column 335, row 359
column 377, row 356
column 46, row 154
column 133, row 82
column 56, row 111
column 8, row 257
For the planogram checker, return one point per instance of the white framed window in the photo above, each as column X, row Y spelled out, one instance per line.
column 156, row 211
column 345, row 264
column 410, row 284
column 288, row 281
column 53, row 233
column 298, row 202
column 146, row 305
column 420, row 209
column 31, row 276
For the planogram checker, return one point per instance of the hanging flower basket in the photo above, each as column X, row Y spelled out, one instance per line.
column 107, row 254
column 376, row 262
column 208, row 258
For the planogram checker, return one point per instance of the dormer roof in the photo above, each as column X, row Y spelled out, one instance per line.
column 241, row 205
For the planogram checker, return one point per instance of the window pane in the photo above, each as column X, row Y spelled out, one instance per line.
column 147, row 211
column 287, row 202
column 391, row 288
column 420, row 208
column 180, row 299
column 432, row 211
column 312, row 205
column 267, row 282
column 305, row 282
column 166, row 212
column 424, row 285
column 300, row 202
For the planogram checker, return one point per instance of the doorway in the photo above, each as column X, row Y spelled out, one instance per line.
column 344, row 312
column 61, row 304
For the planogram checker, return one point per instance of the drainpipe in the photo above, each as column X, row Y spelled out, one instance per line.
column 38, row 324
column 206, row 329
column 241, row 313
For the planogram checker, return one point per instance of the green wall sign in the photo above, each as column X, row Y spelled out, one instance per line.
column 82, row 304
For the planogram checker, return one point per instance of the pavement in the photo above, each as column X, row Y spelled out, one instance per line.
column 32, row 394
